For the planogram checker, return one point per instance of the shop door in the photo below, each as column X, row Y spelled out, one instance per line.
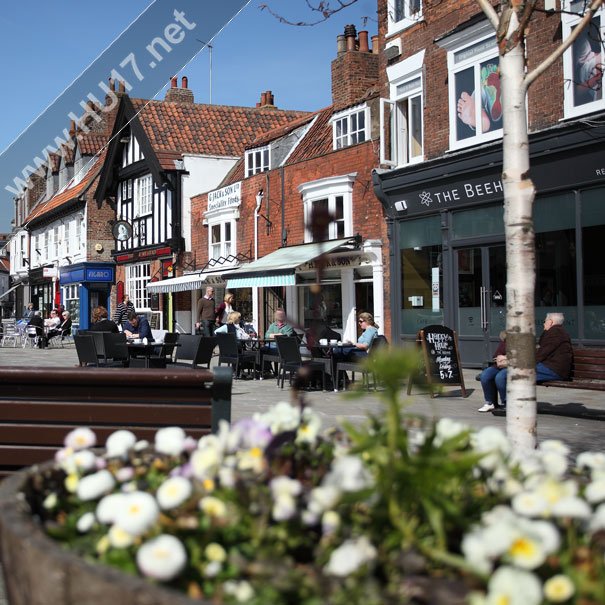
column 480, row 311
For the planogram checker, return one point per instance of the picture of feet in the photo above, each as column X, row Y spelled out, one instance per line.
column 587, row 65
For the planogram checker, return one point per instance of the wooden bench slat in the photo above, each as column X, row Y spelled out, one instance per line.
column 588, row 371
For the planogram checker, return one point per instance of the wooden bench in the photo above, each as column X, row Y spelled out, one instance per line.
column 38, row 407
column 587, row 371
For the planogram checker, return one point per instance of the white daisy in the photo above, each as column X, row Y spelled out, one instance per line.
column 162, row 558
column 80, row 439
column 514, row 587
column 108, row 508
column 170, row 441
column 559, row 589
column 350, row 556
column 96, row 485
column 173, row 492
column 139, row 513
column 119, row 443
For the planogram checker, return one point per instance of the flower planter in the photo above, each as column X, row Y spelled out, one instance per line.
column 38, row 571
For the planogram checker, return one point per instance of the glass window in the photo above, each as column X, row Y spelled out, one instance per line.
column 402, row 14
column 144, row 196
column 478, row 221
column 71, row 301
column 475, row 106
column 593, row 235
column 222, row 244
column 421, row 274
column 350, row 128
column 257, row 160
column 325, row 306
column 137, row 277
column 583, row 63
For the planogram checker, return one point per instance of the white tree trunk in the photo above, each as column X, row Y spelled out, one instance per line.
column 519, row 195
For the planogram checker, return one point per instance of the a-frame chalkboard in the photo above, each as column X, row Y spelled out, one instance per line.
column 440, row 359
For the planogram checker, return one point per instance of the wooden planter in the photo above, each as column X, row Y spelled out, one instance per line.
column 38, row 571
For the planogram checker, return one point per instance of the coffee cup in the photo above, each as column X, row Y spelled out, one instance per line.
column 323, row 341
column 333, row 342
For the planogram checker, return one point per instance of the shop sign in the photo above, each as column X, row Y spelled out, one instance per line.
column 143, row 254
column 214, row 280
column 49, row 272
column 99, row 275
column 333, row 262
column 227, row 197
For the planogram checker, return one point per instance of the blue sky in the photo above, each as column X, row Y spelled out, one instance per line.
column 45, row 48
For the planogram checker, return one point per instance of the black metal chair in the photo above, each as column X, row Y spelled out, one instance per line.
column 231, row 354
column 356, row 367
column 86, row 350
column 291, row 360
column 168, row 346
column 196, row 349
column 115, row 349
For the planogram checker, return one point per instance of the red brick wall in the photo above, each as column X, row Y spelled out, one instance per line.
column 545, row 96
column 368, row 217
column 353, row 73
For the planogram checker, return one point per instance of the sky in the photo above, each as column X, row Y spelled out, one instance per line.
column 45, row 47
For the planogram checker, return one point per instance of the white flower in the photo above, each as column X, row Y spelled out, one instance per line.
column 162, row 558
column 50, row 501
column 205, row 462
column 284, row 486
column 126, row 473
column 571, row 507
column 170, row 441
column 514, row 587
column 591, row 460
column 348, row 474
column 108, row 508
column 284, row 508
column 323, row 498
column 330, row 522
column 446, row 429
column 559, row 589
column 280, row 418
column 139, row 513
column 251, row 460
column 119, row 538
column 493, row 442
column 212, row 569
column 309, row 428
column 215, row 552
column 242, row 591
column 80, row 439
column 85, row 522
column 554, row 463
column 554, row 445
column 226, row 477
column 474, row 551
column 350, row 556
column 96, row 485
column 80, row 461
column 173, row 492
column 552, row 490
column 118, row 444
column 529, row 504
column 532, row 542
column 213, row 507
column 140, row 445
column 595, row 491
column 597, row 523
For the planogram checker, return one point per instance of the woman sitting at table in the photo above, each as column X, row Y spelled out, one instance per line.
column 233, row 326
column 100, row 321
column 63, row 329
column 359, row 350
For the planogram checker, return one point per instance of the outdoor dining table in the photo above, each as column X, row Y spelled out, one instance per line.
column 140, row 349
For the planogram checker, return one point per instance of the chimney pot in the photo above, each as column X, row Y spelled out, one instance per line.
column 174, row 82
column 263, row 99
column 122, row 86
column 363, row 42
column 269, row 97
column 72, row 128
column 375, row 47
column 185, row 82
column 341, row 45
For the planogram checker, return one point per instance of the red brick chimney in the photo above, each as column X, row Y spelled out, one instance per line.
column 181, row 95
column 266, row 99
column 353, row 71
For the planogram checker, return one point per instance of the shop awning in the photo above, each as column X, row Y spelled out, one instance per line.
column 279, row 267
column 8, row 291
column 177, row 284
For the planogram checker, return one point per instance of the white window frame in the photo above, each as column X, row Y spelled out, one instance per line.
column 220, row 219
column 406, row 20
column 56, row 242
column 258, row 160
column 143, row 196
column 347, row 116
column 568, row 22
column 409, row 75
column 137, row 278
column 329, row 188
column 474, row 37
column 46, row 246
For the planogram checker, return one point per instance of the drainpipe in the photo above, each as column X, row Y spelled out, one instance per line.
column 259, row 201
column 284, row 235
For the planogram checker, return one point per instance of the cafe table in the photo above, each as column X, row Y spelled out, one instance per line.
column 140, row 349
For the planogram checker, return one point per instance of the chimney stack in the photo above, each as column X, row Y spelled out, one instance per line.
column 341, row 44
column 354, row 71
column 375, row 48
column 266, row 99
column 183, row 95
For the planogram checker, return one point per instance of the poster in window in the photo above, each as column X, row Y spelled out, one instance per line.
column 587, row 65
column 466, row 262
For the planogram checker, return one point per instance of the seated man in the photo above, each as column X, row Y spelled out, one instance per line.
column 137, row 326
column 63, row 329
column 37, row 322
column 553, row 356
column 278, row 328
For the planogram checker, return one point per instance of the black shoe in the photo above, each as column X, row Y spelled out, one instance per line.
column 499, row 411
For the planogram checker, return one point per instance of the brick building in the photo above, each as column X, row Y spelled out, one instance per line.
column 253, row 235
column 441, row 164
column 160, row 155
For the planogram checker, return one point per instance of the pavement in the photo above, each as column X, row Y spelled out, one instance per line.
column 574, row 416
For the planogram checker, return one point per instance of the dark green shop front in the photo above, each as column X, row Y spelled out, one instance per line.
column 84, row 287
column 447, row 235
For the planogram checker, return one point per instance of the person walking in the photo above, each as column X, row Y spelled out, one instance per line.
column 121, row 315
column 223, row 310
column 207, row 313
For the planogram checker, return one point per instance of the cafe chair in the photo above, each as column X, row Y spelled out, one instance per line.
column 86, row 350
column 59, row 339
column 166, row 351
column 9, row 332
column 33, row 336
column 197, row 350
column 115, row 349
column 343, row 367
column 291, row 361
column 231, row 354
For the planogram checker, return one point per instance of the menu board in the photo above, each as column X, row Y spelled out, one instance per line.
column 441, row 361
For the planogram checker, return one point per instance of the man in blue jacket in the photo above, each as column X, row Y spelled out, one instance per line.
column 137, row 326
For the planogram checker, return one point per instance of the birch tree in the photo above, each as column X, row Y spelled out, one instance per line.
column 511, row 22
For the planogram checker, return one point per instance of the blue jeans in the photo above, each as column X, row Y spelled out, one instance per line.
column 542, row 373
column 488, row 384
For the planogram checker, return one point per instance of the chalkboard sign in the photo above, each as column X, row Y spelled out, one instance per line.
column 441, row 361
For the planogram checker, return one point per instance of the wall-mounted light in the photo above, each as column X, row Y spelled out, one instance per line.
column 401, row 206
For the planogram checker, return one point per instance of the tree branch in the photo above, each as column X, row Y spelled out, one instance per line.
column 325, row 7
column 490, row 13
column 540, row 69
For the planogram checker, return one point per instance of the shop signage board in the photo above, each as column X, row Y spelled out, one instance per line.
column 227, row 197
column 440, row 359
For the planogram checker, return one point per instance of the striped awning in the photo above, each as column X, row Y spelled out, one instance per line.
column 177, row 284
column 9, row 291
column 279, row 267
